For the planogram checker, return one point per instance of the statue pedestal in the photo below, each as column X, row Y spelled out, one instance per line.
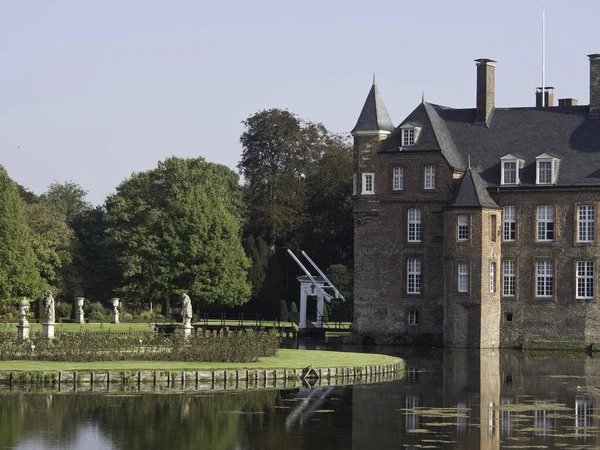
column 115, row 317
column 48, row 330
column 23, row 331
column 79, row 317
column 185, row 330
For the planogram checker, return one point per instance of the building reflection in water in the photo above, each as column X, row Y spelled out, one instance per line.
column 495, row 399
column 451, row 399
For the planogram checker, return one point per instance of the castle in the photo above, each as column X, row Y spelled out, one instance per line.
column 478, row 227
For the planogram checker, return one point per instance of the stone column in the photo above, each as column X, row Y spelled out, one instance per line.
column 320, row 301
column 23, row 326
column 303, row 296
column 115, row 312
column 79, row 315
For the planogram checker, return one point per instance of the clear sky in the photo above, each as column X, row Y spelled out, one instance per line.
column 92, row 91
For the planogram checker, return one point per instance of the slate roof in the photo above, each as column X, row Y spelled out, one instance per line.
column 374, row 115
column 470, row 191
column 567, row 133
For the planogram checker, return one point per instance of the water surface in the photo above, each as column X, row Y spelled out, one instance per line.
column 449, row 399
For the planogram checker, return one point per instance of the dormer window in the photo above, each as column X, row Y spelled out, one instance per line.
column 408, row 137
column 545, row 169
column 410, row 134
column 510, row 166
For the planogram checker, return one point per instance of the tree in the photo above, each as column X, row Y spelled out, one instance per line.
column 329, row 231
column 27, row 196
column 67, row 197
column 274, row 161
column 18, row 273
column 177, row 229
column 53, row 242
column 298, row 191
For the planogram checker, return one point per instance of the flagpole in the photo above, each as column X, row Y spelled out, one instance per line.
column 543, row 57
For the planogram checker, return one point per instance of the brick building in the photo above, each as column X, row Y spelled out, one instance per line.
column 478, row 227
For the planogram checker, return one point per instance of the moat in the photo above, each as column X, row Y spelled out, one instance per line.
column 448, row 399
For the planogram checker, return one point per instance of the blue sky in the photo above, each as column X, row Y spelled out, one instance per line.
column 92, row 91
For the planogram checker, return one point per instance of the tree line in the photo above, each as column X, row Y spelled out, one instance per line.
column 190, row 225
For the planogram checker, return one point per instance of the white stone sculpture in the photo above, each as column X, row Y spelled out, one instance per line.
column 115, row 312
column 79, row 316
column 50, row 316
column 23, row 326
column 186, row 314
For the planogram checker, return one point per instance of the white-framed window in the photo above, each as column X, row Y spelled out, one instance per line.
column 585, row 279
column 510, row 173
column 544, row 172
column 545, row 223
column 368, row 183
column 462, row 231
column 408, row 137
column 544, row 278
column 429, row 177
column 463, row 277
column 414, row 225
column 354, row 184
column 398, row 179
column 413, row 317
column 545, row 169
column 492, row 276
column 508, row 278
column 586, row 223
column 493, row 227
column 413, row 280
column 509, row 223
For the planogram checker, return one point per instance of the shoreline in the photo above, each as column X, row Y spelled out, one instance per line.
column 327, row 368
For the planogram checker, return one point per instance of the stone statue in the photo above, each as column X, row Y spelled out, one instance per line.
column 115, row 312
column 23, row 311
column 49, row 307
column 79, row 314
column 186, row 310
column 23, row 325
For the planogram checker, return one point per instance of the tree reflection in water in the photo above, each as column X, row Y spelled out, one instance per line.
column 452, row 399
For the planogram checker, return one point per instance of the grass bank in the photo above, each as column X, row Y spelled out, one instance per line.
column 285, row 359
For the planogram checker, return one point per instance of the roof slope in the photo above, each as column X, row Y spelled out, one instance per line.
column 471, row 191
column 566, row 133
column 374, row 115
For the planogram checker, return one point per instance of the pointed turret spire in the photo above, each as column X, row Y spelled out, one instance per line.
column 374, row 117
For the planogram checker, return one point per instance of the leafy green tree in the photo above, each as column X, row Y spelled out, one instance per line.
column 328, row 235
column 297, row 190
column 276, row 154
column 27, row 196
column 259, row 254
column 177, row 229
column 18, row 272
column 283, row 311
column 53, row 242
column 67, row 197
column 94, row 270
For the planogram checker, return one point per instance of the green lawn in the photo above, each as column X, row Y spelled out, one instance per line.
column 285, row 359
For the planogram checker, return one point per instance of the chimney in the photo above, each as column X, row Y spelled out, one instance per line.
column 486, row 90
column 594, row 84
column 548, row 94
column 563, row 102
